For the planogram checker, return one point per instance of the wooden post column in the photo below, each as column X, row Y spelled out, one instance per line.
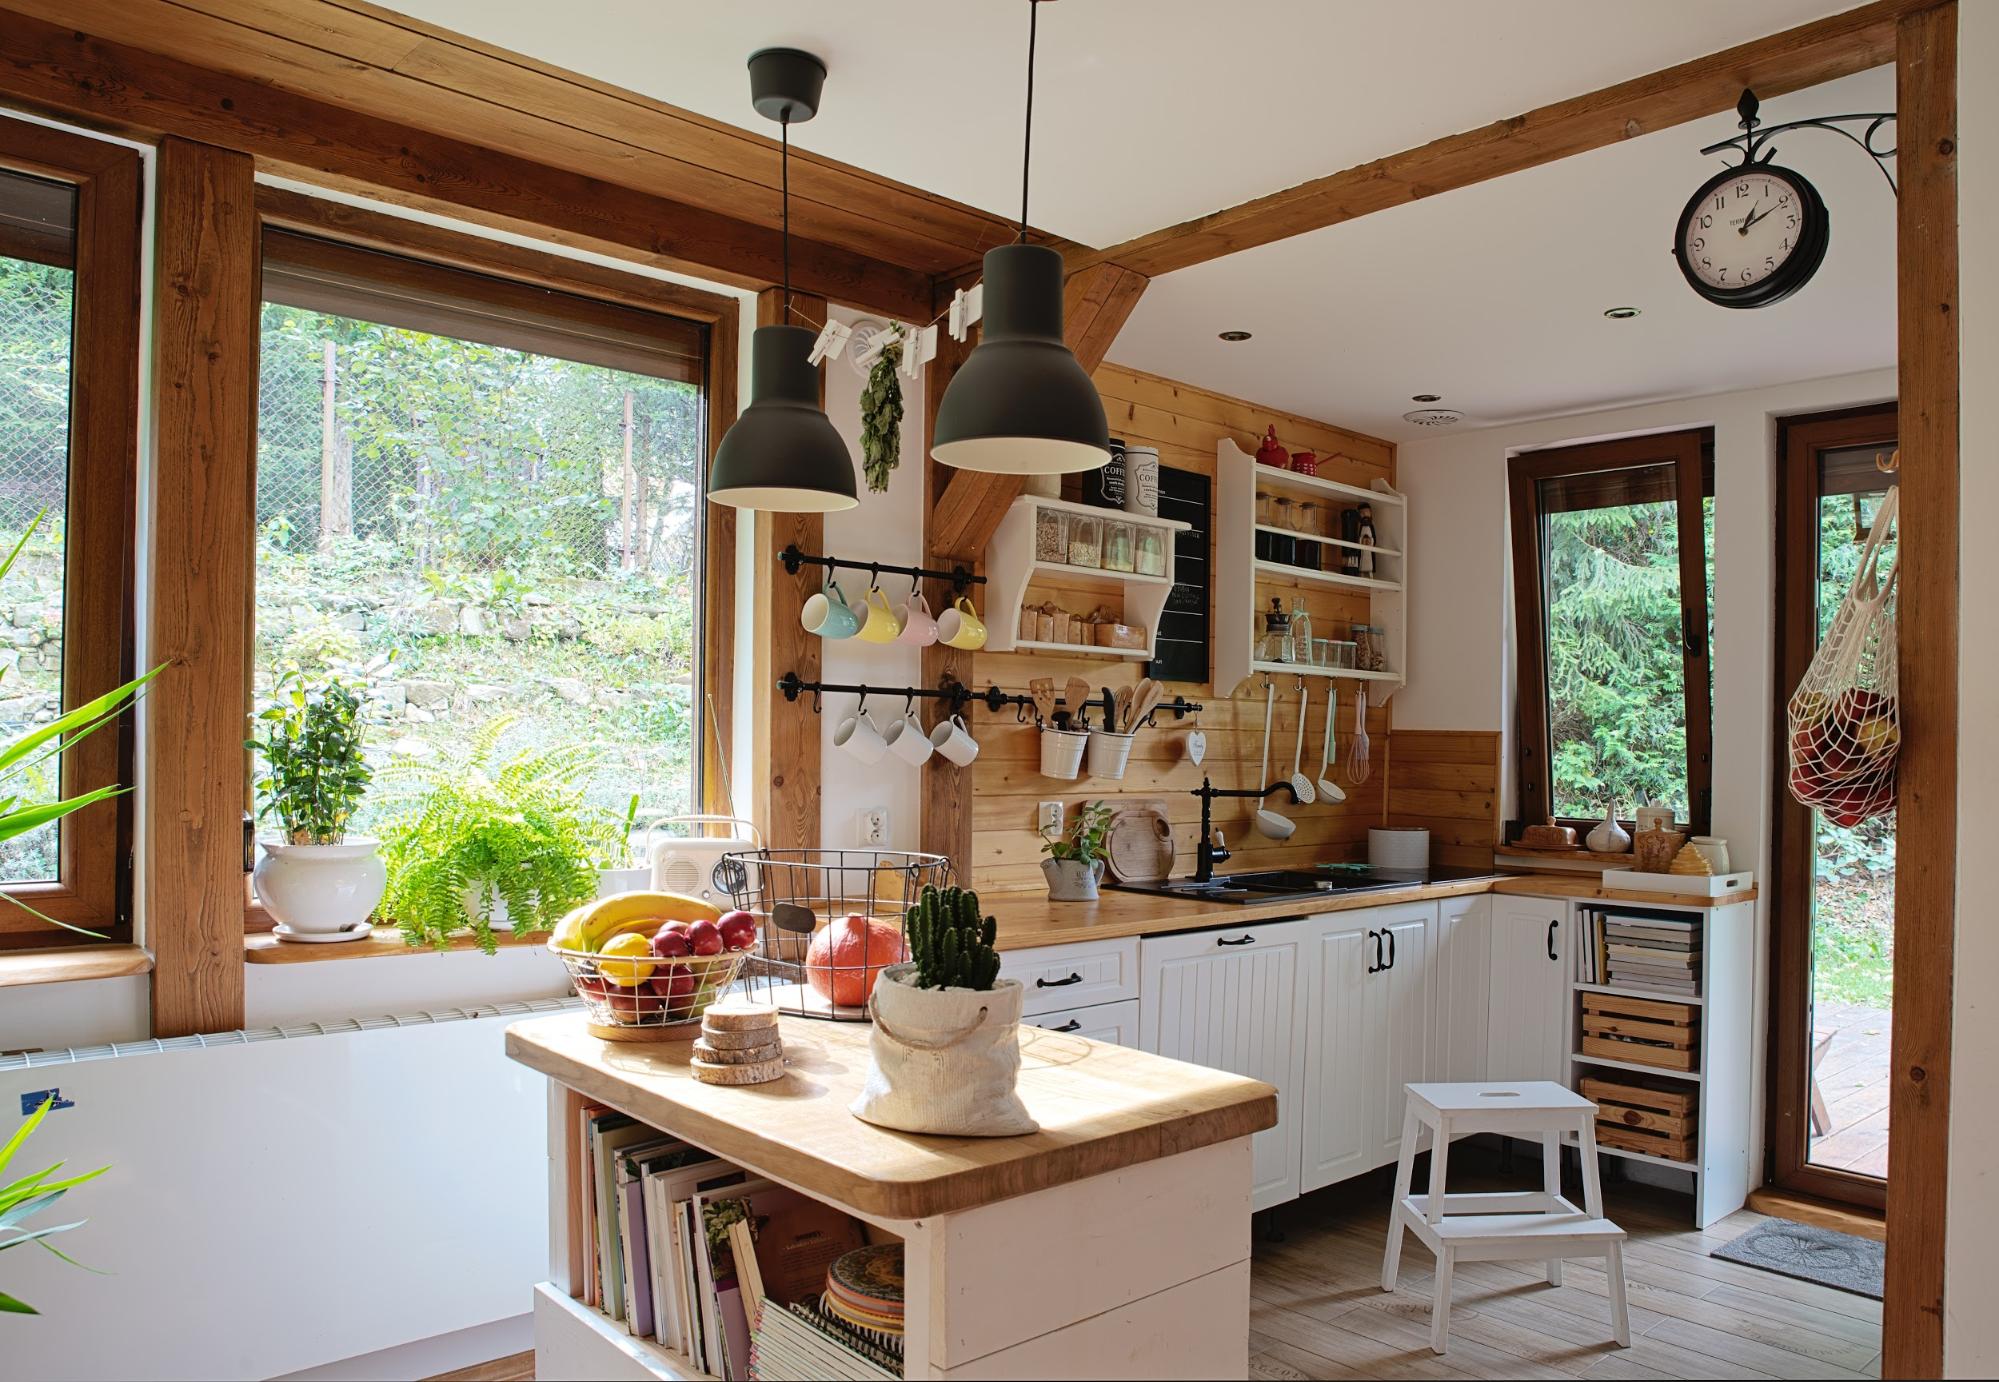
column 204, row 417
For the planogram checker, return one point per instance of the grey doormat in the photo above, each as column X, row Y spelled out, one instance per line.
column 1830, row 1258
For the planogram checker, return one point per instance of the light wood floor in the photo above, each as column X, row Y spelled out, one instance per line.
column 1317, row 1309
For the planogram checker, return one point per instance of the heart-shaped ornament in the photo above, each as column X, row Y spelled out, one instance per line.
column 1197, row 745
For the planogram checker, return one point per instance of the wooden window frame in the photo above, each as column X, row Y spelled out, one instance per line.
column 92, row 888
column 1691, row 455
column 519, row 275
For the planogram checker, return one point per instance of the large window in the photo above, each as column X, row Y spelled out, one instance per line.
column 481, row 502
column 68, row 397
column 1613, row 570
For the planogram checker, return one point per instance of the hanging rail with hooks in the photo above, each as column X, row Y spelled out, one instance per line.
column 956, row 696
column 959, row 577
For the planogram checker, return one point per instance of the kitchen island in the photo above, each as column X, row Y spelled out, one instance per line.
column 1114, row 1242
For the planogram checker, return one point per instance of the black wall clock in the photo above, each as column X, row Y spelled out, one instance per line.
column 1752, row 235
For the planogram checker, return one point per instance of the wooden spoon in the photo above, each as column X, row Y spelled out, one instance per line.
column 1145, row 700
column 1121, row 720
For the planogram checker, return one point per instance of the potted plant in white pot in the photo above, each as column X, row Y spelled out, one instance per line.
column 944, row 1055
column 1075, row 861
column 314, row 881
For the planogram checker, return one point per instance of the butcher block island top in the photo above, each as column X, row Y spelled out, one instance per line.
column 1101, row 1108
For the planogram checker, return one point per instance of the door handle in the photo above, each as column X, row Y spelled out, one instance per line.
column 1058, row 983
column 1072, row 1025
column 1552, row 956
column 1391, row 949
column 1375, row 968
column 1239, row 940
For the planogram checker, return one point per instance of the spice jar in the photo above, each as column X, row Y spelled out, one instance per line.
column 1051, row 535
column 1151, row 552
column 1119, row 553
column 1086, row 541
column 1363, row 640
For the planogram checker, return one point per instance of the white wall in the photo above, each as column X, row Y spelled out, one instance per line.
column 885, row 527
column 1971, row 1327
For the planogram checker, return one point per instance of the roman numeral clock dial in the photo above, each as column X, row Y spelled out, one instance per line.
column 1752, row 236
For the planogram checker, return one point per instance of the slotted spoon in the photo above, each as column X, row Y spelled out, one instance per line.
column 1329, row 789
column 1301, row 785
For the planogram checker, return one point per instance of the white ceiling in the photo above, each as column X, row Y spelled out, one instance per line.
column 1493, row 295
column 1148, row 112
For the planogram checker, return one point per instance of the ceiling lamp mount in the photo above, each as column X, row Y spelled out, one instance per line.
column 1022, row 404
column 783, row 454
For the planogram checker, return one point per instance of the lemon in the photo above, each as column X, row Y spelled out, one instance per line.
column 627, row 972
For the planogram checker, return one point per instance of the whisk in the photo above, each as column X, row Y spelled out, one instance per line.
column 1357, row 764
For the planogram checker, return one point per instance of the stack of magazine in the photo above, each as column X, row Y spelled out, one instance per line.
column 1662, row 954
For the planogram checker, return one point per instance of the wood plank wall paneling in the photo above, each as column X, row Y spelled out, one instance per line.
column 205, row 298
column 1185, row 422
column 1926, row 901
column 1447, row 782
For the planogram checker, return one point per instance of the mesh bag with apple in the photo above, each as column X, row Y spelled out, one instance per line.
column 1845, row 728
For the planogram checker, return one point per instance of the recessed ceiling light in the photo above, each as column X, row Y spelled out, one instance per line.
column 1425, row 397
column 1233, row 336
column 1620, row 314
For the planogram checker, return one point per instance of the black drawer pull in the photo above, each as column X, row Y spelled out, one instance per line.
column 1072, row 1025
column 1391, row 949
column 1377, row 966
column 1239, row 940
column 1551, row 940
column 1058, row 983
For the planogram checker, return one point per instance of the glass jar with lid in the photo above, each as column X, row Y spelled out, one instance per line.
column 1151, row 559
column 1120, row 546
column 1086, row 541
column 1051, row 535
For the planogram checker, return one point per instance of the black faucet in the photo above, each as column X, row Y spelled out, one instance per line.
column 1212, row 850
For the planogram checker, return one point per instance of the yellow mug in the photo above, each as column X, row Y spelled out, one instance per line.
column 882, row 626
column 961, row 627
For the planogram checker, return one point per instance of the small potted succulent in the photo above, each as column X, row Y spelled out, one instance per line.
column 944, row 1055
column 314, row 880
column 1075, row 859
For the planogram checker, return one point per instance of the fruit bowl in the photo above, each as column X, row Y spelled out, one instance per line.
column 633, row 999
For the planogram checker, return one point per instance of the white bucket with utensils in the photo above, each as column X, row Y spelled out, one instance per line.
column 1062, row 752
column 1109, row 752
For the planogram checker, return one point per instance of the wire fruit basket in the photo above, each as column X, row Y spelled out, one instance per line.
column 649, row 997
column 829, row 921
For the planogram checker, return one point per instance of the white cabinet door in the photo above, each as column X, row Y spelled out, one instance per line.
column 1460, row 991
column 1395, row 1042
column 1116, row 1023
column 1339, row 963
column 1528, row 1022
column 1232, row 1000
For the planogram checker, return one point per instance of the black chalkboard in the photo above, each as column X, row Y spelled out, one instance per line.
column 1182, row 651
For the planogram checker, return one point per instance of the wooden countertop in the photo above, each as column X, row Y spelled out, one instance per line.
column 1100, row 1107
column 1028, row 919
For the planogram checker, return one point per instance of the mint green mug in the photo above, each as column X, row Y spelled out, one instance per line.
column 829, row 615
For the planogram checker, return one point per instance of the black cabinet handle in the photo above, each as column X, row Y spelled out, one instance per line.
column 1058, row 983
column 1376, row 967
column 1391, row 949
column 1239, row 940
column 1551, row 940
column 1072, row 1025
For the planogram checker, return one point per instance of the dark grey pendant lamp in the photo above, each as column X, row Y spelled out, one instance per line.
column 1021, row 404
column 782, row 453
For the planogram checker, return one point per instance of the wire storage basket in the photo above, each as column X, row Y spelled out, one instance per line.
column 830, row 921
column 648, row 998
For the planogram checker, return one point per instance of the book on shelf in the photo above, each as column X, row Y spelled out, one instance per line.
column 799, row 1343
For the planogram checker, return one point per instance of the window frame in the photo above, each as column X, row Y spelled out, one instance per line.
column 1691, row 454
column 92, row 889
column 420, row 249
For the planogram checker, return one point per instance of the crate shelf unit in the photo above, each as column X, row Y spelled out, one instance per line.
column 1687, row 1102
column 1244, row 584
column 1012, row 570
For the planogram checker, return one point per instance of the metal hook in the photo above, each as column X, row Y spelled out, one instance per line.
column 909, row 705
column 815, row 700
column 874, row 575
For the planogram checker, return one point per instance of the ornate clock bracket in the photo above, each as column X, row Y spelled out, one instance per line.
column 1754, row 141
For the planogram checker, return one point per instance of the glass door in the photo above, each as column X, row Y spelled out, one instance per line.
column 1835, row 885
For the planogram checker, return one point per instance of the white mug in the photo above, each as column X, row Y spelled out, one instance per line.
column 907, row 741
column 954, row 740
column 858, row 735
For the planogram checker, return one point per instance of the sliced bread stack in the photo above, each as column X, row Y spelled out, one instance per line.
column 739, row 1044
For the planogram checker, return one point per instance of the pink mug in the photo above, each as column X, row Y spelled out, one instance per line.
column 919, row 628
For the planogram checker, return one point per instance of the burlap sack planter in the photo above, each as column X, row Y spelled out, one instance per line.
column 944, row 1060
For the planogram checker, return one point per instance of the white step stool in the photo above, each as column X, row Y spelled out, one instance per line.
column 1523, row 1225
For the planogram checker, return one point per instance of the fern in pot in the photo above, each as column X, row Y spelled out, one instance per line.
column 314, row 880
column 944, row 1055
column 482, row 841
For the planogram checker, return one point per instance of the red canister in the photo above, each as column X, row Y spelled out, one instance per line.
column 1270, row 453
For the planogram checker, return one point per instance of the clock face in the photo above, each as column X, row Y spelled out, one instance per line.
column 1752, row 236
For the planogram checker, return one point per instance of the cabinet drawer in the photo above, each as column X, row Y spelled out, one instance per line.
column 1074, row 976
column 1116, row 1023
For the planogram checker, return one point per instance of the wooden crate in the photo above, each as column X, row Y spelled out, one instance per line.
column 1644, row 1031
column 1637, row 1114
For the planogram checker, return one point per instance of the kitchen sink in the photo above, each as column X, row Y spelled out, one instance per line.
column 1285, row 885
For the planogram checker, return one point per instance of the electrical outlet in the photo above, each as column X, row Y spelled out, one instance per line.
column 874, row 828
column 1048, row 816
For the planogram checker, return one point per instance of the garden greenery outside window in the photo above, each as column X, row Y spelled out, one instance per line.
column 69, row 256
column 480, row 501
column 1613, row 546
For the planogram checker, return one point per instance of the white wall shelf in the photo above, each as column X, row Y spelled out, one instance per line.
column 1244, row 584
column 1012, row 570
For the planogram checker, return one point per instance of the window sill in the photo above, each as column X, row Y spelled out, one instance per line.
column 67, row 963
column 267, row 949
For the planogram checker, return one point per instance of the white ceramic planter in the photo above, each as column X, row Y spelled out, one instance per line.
column 320, row 888
column 1072, row 880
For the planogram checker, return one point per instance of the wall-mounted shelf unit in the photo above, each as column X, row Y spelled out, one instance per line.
column 1013, row 568
column 1245, row 582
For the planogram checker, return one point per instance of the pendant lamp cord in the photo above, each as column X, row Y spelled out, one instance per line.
column 1027, row 137
column 784, row 177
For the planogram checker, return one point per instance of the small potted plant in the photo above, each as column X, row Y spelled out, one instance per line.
column 315, row 881
column 481, row 841
column 944, row 1055
column 1075, row 859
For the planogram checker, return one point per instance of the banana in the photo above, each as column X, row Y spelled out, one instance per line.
column 598, row 921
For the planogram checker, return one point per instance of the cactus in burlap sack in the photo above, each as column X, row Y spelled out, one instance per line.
column 951, row 943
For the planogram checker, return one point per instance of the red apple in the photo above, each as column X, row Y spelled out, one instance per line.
column 631, row 1006
column 739, row 931
column 591, row 985
column 670, row 943
column 676, row 989
column 704, row 938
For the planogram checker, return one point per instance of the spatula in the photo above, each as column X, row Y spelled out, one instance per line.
column 1077, row 694
column 1042, row 690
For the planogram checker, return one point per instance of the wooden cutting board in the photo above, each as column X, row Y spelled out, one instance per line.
column 1139, row 848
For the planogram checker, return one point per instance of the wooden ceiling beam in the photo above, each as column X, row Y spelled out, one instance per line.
column 1836, row 46
column 132, row 91
column 1096, row 302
